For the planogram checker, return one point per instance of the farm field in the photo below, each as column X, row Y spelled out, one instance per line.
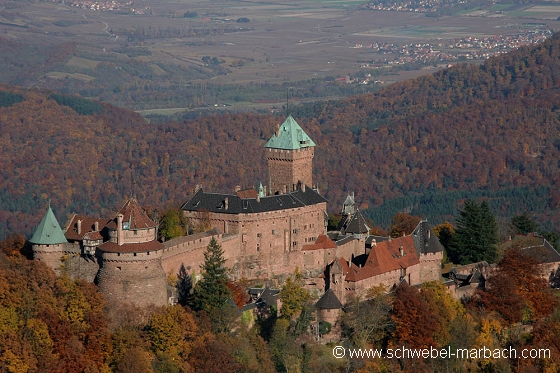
column 265, row 44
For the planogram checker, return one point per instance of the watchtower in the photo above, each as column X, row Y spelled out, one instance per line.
column 289, row 154
column 131, row 270
column 49, row 244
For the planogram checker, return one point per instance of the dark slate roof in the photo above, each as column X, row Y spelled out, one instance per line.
column 544, row 253
column 269, row 296
column 329, row 301
column 233, row 204
column 377, row 239
column 353, row 224
column 425, row 239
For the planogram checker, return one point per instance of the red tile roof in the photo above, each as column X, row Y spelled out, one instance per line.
column 134, row 215
column 112, row 247
column 87, row 225
column 323, row 242
column 386, row 257
column 247, row 193
column 93, row 236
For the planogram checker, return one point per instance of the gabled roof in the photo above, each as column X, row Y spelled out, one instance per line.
column 49, row 231
column 329, row 301
column 87, row 225
column 544, row 253
column 134, row 217
column 247, row 193
column 323, row 242
column 386, row 257
column 425, row 239
column 290, row 136
column 233, row 204
column 353, row 224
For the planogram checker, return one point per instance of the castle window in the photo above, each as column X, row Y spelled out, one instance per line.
column 258, row 235
column 119, row 268
column 258, row 247
column 294, row 243
column 135, row 232
column 134, row 254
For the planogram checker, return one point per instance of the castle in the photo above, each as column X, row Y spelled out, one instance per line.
column 265, row 234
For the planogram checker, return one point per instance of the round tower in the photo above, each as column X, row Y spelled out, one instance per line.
column 131, row 270
column 49, row 244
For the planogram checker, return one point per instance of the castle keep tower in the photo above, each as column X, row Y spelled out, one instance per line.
column 289, row 153
column 131, row 270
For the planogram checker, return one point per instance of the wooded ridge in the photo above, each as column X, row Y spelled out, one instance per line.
column 486, row 130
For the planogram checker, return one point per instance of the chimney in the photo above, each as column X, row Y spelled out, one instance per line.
column 258, row 197
column 373, row 242
column 264, row 189
column 285, row 189
column 226, row 203
column 120, row 233
column 401, row 249
column 428, row 233
column 79, row 226
column 237, row 188
column 96, row 226
column 278, row 130
column 303, row 187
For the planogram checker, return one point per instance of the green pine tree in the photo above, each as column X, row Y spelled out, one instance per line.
column 523, row 224
column 211, row 293
column 476, row 236
column 184, row 287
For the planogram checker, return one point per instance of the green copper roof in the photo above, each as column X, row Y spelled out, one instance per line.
column 48, row 232
column 290, row 136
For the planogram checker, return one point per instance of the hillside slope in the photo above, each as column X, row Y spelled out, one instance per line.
column 489, row 131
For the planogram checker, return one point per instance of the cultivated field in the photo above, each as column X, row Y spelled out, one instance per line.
column 284, row 41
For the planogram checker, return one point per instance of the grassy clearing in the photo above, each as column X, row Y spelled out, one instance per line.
column 501, row 6
column 169, row 111
column 82, row 63
column 61, row 75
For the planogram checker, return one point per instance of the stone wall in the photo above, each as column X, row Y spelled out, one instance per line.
column 430, row 266
column 136, row 278
column 287, row 167
column 269, row 243
column 52, row 255
column 81, row 266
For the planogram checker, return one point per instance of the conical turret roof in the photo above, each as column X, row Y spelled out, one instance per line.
column 290, row 136
column 49, row 231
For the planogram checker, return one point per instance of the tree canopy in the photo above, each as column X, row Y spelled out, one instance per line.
column 211, row 293
column 476, row 236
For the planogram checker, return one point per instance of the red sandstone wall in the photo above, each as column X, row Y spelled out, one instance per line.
column 287, row 167
column 132, row 279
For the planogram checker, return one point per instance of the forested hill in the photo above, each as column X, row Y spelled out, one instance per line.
column 421, row 145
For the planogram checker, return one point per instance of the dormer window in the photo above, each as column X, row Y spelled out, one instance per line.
column 126, row 225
